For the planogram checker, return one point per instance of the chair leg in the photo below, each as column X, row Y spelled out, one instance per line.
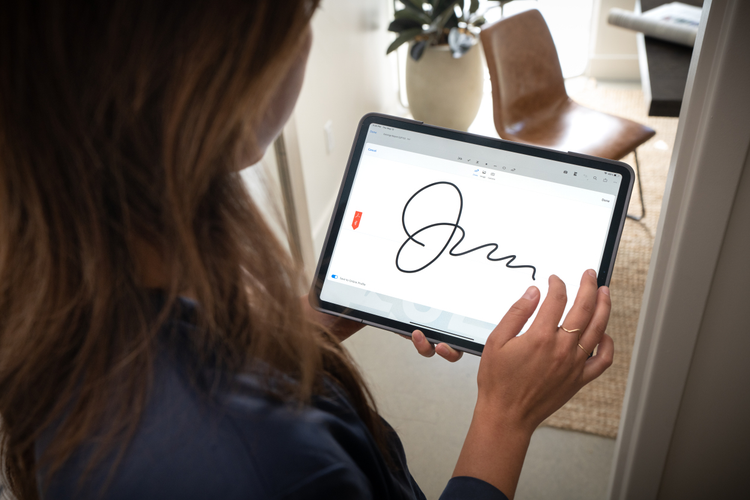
column 640, row 189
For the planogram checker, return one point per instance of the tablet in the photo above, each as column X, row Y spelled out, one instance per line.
column 442, row 231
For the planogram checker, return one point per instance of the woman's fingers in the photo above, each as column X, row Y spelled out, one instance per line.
column 553, row 306
column 598, row 323
column 590, row 313
column 596, row 365
column 423, row 346
column 586, row 301
column 447, row 352
column 426, row 349
column 517, row 316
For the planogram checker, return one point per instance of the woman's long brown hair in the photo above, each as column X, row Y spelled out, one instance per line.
column 121, row 122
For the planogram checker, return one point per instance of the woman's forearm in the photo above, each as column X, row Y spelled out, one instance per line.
column 494, row 451
column 524, row 379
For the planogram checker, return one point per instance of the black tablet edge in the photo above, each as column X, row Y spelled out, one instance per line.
column 394, row 326
column 620, row 213
column 613, row 239
column 337, row 205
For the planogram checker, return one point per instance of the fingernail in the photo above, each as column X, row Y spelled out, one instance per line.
column 605, row 289
column 441, row 350
column 531, row 293
column 591, row 273
column 418, row 336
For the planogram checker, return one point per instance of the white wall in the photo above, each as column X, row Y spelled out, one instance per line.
column 348, row 75
column 262, row 180
column 613, row 53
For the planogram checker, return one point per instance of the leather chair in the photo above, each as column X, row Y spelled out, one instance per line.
column 532, row 106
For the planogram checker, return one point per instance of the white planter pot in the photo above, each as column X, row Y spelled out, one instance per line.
column 445, row 91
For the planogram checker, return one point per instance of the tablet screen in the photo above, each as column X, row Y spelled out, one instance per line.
column 445, row 235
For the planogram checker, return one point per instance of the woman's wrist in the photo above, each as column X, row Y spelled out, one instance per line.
column 495, row 447
column 501, row 416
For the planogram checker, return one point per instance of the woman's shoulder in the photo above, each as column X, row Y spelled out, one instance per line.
column 238, row 443
column 301, row 447
column 243, row 443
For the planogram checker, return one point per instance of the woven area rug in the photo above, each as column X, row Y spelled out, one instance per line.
column 596, row 409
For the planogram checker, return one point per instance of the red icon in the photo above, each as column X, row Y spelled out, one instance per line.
column 357, row 217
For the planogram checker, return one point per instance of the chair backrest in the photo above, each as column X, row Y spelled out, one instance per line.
column 527, row 81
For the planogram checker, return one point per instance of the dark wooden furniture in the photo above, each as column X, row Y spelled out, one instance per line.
column 664, row 68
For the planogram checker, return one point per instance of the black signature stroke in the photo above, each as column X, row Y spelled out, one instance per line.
column 455, row 225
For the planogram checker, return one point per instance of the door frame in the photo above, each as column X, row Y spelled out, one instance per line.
column 707, row 162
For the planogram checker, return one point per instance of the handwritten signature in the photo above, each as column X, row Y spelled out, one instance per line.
column 411, row 237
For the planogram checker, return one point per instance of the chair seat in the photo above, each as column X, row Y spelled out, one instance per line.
column 572, row 127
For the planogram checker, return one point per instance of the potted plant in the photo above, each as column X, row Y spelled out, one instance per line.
column 444, row 78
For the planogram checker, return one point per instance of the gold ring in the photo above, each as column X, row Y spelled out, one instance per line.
column 584, row 350
column 570, row 331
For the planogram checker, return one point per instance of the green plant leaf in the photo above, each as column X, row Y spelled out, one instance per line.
column 420, row 17
column 460, row 41
column 474, row 6
column 414, row 3
column 401, row 25
column 439, row 6
column 439, row 23
column 418, row 49
column 451, row 23
column 416, row 8
column 404, row 37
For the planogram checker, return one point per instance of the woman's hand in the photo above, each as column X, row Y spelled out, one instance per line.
column 523, row 380
column 538, row 372
column 343, row 328
column 426, row 349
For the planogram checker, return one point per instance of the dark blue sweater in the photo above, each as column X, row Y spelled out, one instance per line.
column 243, row 445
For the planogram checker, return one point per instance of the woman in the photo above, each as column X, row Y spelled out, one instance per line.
column 152, row 342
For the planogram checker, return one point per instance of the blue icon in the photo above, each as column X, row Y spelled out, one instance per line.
column 477, row 170
column 335, row 276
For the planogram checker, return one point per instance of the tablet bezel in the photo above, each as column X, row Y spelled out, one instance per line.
column 610, row 250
